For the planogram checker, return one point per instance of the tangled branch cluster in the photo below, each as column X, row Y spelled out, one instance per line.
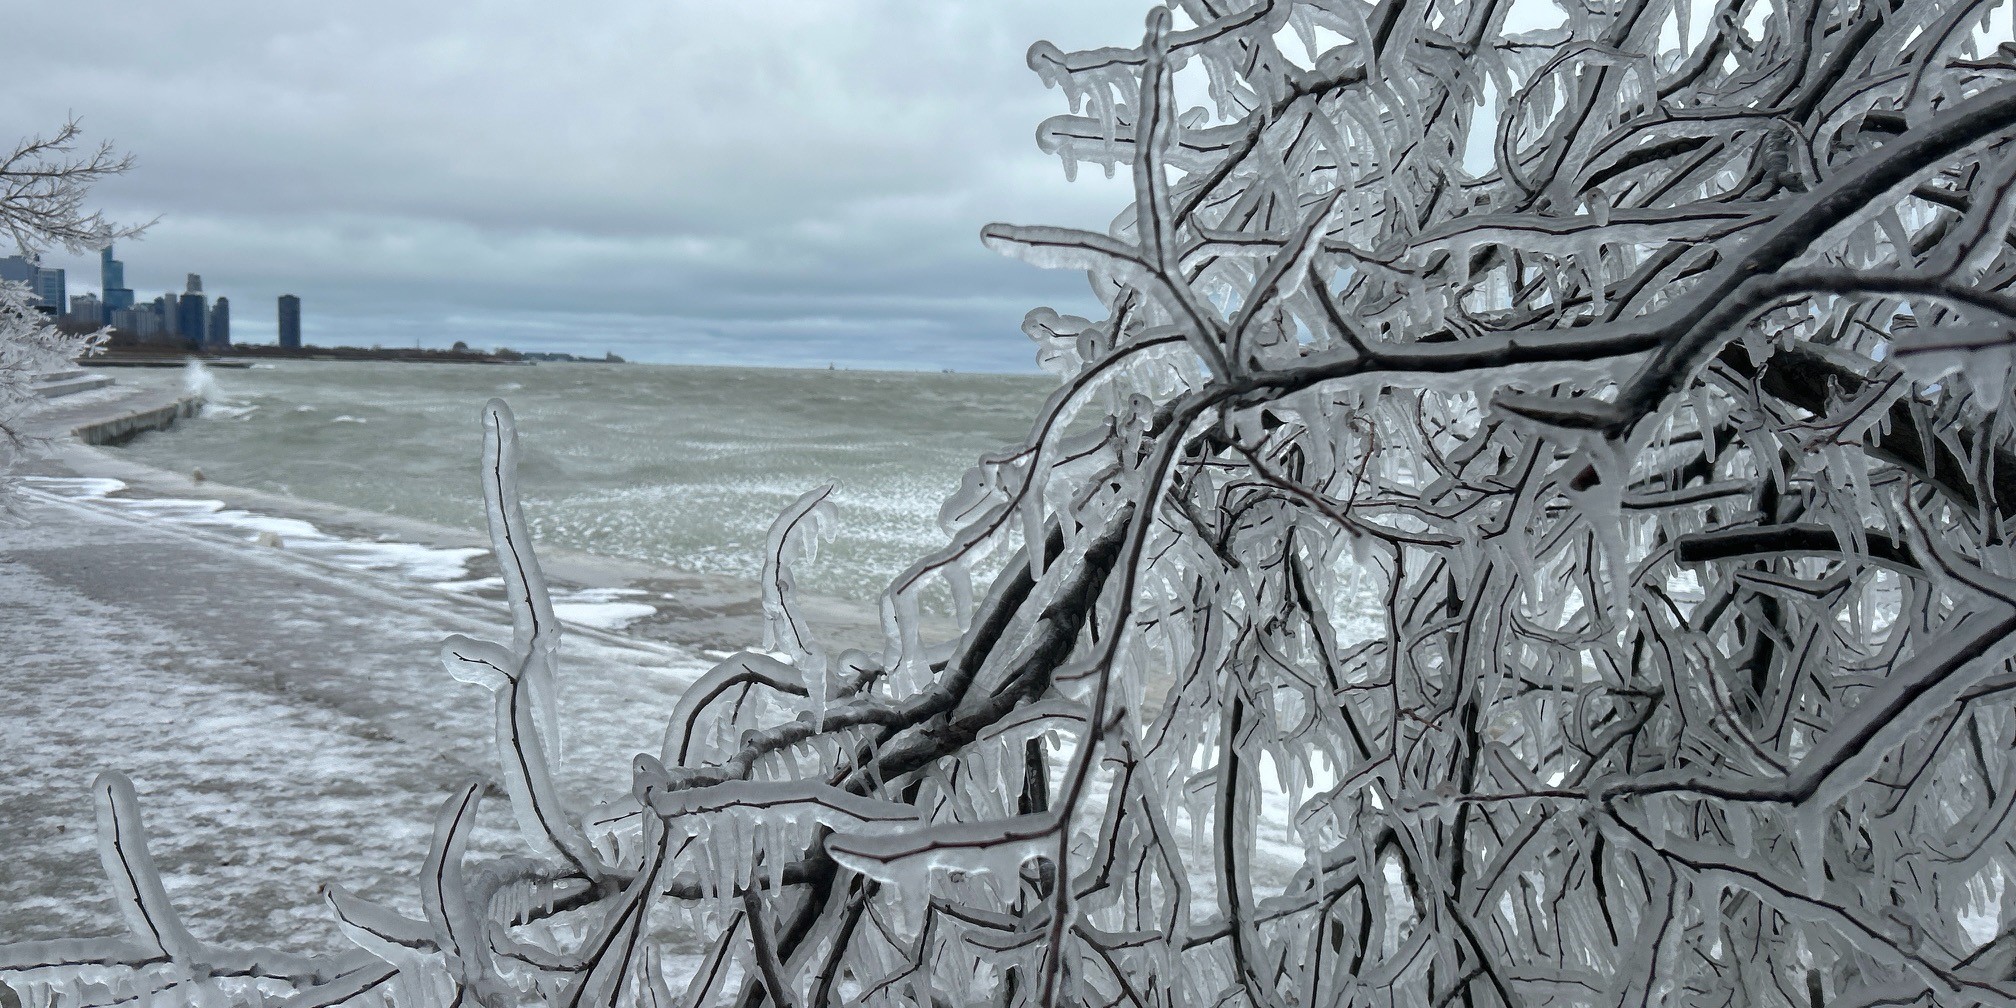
column 1532, row 528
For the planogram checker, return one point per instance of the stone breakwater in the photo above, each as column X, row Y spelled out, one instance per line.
column 123, row 425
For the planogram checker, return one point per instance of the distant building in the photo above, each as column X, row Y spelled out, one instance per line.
column 18, row 269
column 220, row 325
column 112, row 278
column 52, row 291
column 150, row 325
column 195, row 285
column 86, row 309
column 163, row 308
column 290, row 322
column 191, row 318
column 45, row 285
column 142, row 322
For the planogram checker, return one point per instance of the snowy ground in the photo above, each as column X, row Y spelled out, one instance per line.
column 263, row 669
column 282, row 718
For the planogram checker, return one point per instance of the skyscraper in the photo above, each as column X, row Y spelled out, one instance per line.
column 195, row 285
column 46, row 286
column 52, row 291
column 290, row 322
column 163, row 308
column 220, row 324
column 87, row 309
column 141, row 322
column 112, row 277
column 191, row 319
column 17, row 269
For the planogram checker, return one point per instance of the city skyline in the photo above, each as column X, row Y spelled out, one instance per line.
column 764, row 183
column 188, row 320
column 188, row 316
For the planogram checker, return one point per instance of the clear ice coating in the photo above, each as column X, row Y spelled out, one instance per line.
column 1531, row 528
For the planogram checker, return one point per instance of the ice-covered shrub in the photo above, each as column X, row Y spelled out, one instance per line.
column 43, row 187
column 1532, row 528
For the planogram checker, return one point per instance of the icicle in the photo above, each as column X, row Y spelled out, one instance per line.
column 795, row 535
column 1810, row 836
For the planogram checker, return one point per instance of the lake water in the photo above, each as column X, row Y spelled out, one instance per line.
column 680, row 467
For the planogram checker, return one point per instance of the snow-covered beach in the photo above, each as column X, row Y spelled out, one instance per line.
column 275, row 697
column 263, row 667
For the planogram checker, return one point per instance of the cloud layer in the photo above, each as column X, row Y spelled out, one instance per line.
column 790, row 181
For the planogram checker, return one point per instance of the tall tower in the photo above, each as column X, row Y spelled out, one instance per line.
column 171, row 323
column 220, row 324
column 192, row 318
column 290, row 322
column 112, row 278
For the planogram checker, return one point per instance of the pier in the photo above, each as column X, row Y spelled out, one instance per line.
column 113, row 430
column 95, row 410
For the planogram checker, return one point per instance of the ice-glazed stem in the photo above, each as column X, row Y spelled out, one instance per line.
column 458, row 927
column 535, row 631
column 542, row 817
column 764, row 944
column 129, row 866
column 794, row 535
column 618, row 957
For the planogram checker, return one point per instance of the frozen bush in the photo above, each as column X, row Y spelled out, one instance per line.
column 1531, row 528
column 43, row 186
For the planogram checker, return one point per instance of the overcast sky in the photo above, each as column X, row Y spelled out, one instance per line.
column 783, row 182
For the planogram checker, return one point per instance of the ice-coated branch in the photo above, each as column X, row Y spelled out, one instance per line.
column 129, row 866
column 535, row 631
column 1531, row 526
column 44, row 203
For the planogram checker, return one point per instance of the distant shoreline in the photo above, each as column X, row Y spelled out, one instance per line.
column 243, row 355
column 238, row 356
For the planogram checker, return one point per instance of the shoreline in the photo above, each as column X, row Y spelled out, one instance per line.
column 285, row 720
column 238, row 362
column 248, row 354
column 280, row 710
column 706, row 612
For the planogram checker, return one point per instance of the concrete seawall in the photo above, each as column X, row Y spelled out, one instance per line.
column 113, row 430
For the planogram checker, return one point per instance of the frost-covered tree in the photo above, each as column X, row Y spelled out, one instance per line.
column 1532, row 528
column 44, row 185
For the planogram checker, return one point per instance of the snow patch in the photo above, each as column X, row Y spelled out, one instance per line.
column 426, row 564
column 601, row 608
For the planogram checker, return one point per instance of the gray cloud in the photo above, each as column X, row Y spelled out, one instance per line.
column 793, row 181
